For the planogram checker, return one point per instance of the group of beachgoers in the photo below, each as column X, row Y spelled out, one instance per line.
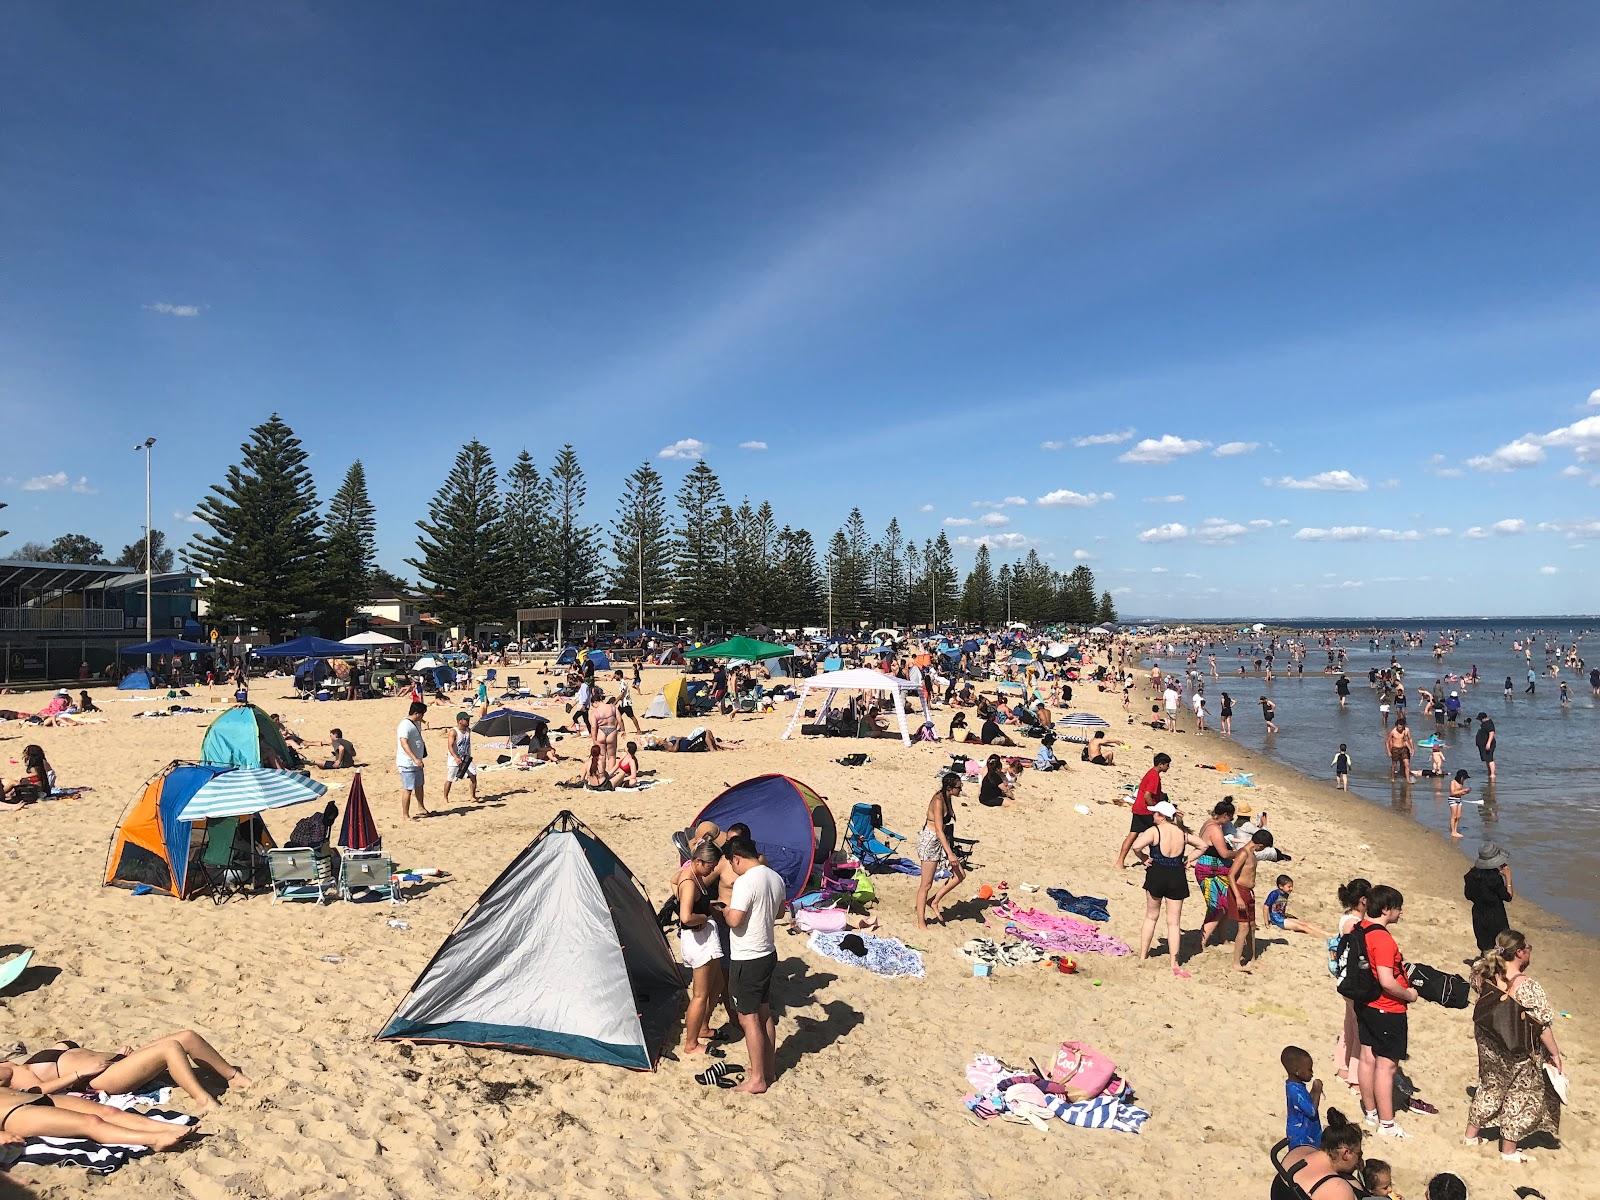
column 70, row 1091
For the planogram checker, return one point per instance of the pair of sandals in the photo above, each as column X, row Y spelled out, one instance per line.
column 720, row 1075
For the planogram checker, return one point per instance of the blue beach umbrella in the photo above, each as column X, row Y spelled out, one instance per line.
column 246, row 790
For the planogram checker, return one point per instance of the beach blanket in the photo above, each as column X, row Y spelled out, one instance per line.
column 1092, row 907
column 1021, row 1096
column 1009, row 954
column 903, row 866
column 92, row 1156
column 1056, row 935
column 884, row 956
column 1241, row 779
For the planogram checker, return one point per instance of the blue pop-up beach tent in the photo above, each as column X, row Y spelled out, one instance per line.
column 791, row 824
column 136, row 681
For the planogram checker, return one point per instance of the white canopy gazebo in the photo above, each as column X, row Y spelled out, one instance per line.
column 860, row 679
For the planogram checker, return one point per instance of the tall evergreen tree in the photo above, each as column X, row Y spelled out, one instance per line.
column 841, row 601
column 161, row 556
column 526, row 533
column 941, row 562
column 1107, row 612
column 1079, row 597
column 761, row 552
column 915, row 609
column 641, row 542
column 888, row 576
column 351, row 552
column 575, row 547
column 462, row 547
column 977, row 596
column 798, row 585
column 263, row 558
column 1004, row 605
column 696, row 548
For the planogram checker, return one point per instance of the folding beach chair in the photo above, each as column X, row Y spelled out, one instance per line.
column 861, row 840
column 368, row 872
column 221, row 876
column 298, row 873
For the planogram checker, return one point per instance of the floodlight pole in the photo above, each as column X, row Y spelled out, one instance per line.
column 147, row 446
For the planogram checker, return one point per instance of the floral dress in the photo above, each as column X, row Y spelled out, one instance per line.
column 1514, row 1093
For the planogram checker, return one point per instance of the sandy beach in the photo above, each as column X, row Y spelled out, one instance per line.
column 872, row 1068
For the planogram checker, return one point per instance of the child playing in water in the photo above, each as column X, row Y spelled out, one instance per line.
column 1458, row 795
column 1341, row 768
column 1278, row 909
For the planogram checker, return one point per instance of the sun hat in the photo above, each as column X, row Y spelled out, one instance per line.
column 1491, row 855
column 1243, row 808
column 1165, row 808
column 63, row 692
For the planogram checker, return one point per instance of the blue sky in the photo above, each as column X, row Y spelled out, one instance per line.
column 1312, row 285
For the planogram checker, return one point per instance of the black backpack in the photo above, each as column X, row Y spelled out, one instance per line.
column 1357, row 980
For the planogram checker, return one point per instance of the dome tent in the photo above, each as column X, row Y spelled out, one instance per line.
column 245, row 736
column 791, row 824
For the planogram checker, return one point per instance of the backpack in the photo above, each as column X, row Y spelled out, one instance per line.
column 1357, row 980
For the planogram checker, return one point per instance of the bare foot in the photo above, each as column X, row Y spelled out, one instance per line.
column 1181, row 973
column 1455, row 835
column 1241, row 968
column 240, row 1080
column 752, row 1087
column 695, row 1048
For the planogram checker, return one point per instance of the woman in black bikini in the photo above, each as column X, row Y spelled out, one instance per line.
column 27, row 1114
column 68, row 1065
column 1325, row 1174
column 936, row 850
column 1165, row 884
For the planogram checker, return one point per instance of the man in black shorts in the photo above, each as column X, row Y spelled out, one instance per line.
column 1487, row 740
column 1149, row 792
column 758, row 900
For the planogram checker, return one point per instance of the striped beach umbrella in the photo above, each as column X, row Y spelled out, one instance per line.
column 1083, row 720
column 246, row 790
column 358, row 831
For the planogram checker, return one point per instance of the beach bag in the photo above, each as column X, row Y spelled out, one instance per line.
column 821, row 920
column 1357, row 980
column 1436, row 986
column 1081, row 1071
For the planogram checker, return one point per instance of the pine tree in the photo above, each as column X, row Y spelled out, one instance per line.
column 462, row 546
column 696, row 548
column 761, row 550
column 640, row 540
column 798, row 584
column 1079, row 596
column 575, row 547
column 977, row 596
column 942, row 576
column 888, row 577
column 263, row 559
column 351, row 550
column 1004, row 603
column 526, row 533
column 1107, row 614
column 915, row 609
column 842, row 607
column 161, row 556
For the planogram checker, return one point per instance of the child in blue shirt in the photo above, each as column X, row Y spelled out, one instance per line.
column 1278, row 909
column 1304, row 1094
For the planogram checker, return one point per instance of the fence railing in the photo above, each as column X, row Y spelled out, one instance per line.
column 56, row 620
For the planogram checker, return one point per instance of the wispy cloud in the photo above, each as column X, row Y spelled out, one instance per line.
column 752, row 445
column 1233, row 449
column 46, row 483
column 994, row 519
column 188, row 518
column 1173, row 498
column 1573, row 529
column 1582, row 437
column 1052, row 445
column 1072, row 499
column 1549, row 570
column 1357, row 533
column 683, row 448
column 1513, row 456
column 959, row 521
column 1103, row 439
column 1163, row 449
column 1214, row 531
column 924, row 508
column 1325, row 481
column 81, row 486
column 1503, row 528
column 173, row 310
column 1001, row 541
column 1082, row 555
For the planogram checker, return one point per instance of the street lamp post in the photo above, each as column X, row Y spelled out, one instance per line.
column 147, row 446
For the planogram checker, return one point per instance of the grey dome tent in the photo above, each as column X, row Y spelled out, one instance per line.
column 561, row 955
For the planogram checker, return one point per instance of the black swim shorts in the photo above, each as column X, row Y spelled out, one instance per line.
column 750, row 982
column 1141, row 822
column 1384, row 1032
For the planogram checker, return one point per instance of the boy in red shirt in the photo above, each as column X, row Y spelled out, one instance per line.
column 1149, row 792
column 1382, row 1022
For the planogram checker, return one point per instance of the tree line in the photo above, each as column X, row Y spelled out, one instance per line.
column 274, row 557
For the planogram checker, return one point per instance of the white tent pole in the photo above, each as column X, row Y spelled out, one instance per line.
column 799, row 706
column 900, row 710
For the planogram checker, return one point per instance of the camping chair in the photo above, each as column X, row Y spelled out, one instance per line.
column 861, row 839
column 370, row 871
column 490, row 675
column 220, row 876
column 298, row 873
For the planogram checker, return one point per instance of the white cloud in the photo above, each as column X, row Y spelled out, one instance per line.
column 1158, row 570
column 752, row 445
column 1232, row 449
column 1122, row 591
column 1015, row 501
column 1173, row 531
column 1174, row 498
column 683, row 448
column 924, row 508
column 174, row 310
column 1573, row 529
column 82, row 486
column 1001, row 541
column 45, row 483
column 1072, row 499
column 1440, row 531
column 188, row 517
column 1549, row 570
column 1215, row 529
column 1161, row 450
column 1261, row 523
column 1503, row 528
column 1082, row 555
column 1594, row 398
column 1325, row 481
column 1389, row 485
column 1103, row 439
column 1052, row 445
column 994, row 518
column 958, row 521
column 1513, row 456
column 1571, row 471
column 1449, row 472
column 1357, row 533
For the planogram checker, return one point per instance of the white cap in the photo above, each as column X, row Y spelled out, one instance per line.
column 1165, row 808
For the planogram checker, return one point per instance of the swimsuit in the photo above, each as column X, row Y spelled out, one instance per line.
column 1163, row 877
column 15, row 1104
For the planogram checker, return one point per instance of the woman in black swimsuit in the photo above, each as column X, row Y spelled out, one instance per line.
column 68, row 1065
column 1325, row 1174
column 27, row 1114
column 1165, row 884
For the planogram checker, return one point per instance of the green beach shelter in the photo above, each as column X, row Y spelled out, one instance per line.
column 742, row 649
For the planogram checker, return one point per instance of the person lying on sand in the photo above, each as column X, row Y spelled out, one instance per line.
column 692, row 743
column 26, row 1114
column 67, row 1065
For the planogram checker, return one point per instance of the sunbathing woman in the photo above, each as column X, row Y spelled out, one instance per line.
column 693, row 743
column 26, row 1114
column 68, row 1065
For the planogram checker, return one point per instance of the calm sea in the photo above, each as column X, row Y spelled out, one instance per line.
column 1545, row 806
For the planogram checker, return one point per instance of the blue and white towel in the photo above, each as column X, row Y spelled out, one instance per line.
column 884, row 956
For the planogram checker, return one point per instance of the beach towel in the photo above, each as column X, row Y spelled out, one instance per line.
column 1211, row 877
column 884, row 956
column 1090, row 942
column 1010, row 954
column 77, row 1152
column 1092, row 907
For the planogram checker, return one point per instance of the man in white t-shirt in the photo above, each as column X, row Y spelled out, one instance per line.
column 409, row 752
column 758, row 901
column 1170, row 696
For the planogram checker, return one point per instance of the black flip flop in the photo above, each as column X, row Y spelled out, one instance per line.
column 717, row 1075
